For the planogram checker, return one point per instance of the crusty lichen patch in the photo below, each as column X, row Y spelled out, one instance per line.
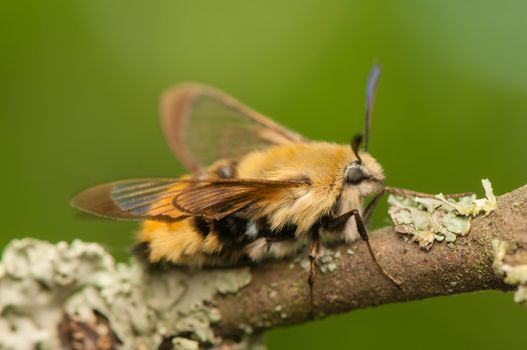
column 328, row 260
column 512, row 267
column 427, row 220
column 41, row 282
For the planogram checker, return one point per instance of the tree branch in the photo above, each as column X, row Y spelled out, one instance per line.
column 278, row 294
column 76, row 297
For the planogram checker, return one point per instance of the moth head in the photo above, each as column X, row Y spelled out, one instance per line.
column 363, row 173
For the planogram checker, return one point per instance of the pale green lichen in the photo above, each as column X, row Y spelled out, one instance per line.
column 515, row 275
column 185, row 344
column 327, row 260
column 39, row 282
column 247, row 329
column 439, row 219
column 470, row 206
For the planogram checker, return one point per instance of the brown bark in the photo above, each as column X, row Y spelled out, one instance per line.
column 278, row 294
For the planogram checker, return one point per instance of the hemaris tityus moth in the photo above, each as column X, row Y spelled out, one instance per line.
column 256, row 190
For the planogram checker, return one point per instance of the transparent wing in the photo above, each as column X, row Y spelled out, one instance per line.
column 202, row 125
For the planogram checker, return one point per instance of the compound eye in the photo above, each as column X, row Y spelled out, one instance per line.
column 354, row 174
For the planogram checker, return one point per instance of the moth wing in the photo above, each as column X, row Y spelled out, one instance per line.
column 202, row 125
column 174, row 199
column 131, row 199
column 218, row 199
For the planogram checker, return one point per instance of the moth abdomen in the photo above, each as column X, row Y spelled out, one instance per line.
column 200, row 241
column 231, row 231
column 286, row 233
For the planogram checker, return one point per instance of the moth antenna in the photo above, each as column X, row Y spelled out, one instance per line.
column 355, row 144
column 371, row 89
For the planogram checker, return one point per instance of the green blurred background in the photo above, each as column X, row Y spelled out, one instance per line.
column 79, row 83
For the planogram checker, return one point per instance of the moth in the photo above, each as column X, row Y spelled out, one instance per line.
column 256, row 189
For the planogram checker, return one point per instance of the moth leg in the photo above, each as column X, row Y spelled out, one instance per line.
column 313, row 254
column 366, row 216
column 364, row 235
column 335, row 224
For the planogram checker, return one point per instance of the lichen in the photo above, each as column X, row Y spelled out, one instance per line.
column 429, row 220
column 327, row 260
column 185, row 344
column 40, row 283
column 513, row 274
